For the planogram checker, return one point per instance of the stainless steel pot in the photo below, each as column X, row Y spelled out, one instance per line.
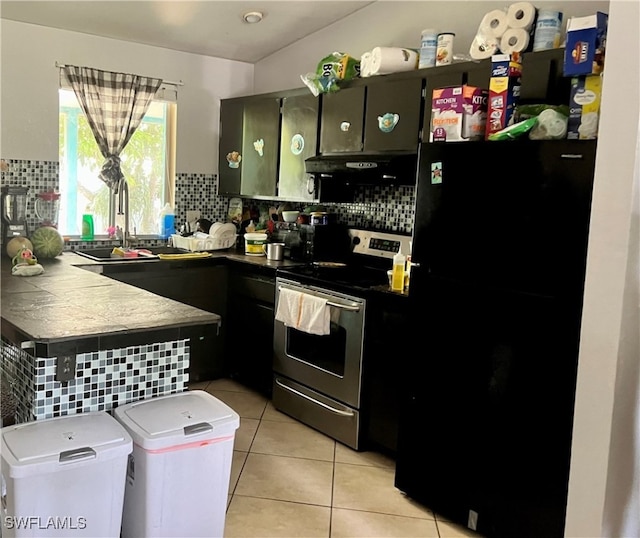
column 274, row 251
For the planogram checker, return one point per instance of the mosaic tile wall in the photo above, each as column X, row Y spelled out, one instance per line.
column 18, row 372
column 381, row 208
column 104, row 379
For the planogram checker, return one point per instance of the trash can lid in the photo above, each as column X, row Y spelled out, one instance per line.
column 176, row 419
column 49, row 445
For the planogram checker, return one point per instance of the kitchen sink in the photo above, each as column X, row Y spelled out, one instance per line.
column 104, row 254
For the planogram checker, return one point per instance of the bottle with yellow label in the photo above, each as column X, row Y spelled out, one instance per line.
column 397, row 274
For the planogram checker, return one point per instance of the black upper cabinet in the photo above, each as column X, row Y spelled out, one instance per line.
column 379, row 115
column 342, row 121
column 230, row 147
column 392, row 118
column 298, row 141
column 260, row 143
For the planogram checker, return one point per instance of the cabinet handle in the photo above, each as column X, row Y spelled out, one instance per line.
column 313, row 400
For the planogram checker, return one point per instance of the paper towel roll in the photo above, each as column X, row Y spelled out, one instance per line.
column 514, row 40
column 494, row 23
column 521, row 15
column 385, row 60
column 483, row 47
column 365, row 65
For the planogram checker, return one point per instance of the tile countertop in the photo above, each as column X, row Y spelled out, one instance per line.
column 71, row 300
column 68, row 303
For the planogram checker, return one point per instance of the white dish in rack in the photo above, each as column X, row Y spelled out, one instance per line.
column 203, row 242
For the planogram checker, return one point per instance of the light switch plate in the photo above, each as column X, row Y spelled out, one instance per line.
column 193, row 216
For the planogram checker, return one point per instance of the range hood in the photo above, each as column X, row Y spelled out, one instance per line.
column 364, row 169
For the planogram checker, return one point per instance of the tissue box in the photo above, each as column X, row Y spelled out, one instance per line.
column 584, row 107
column 504, row 90
column 458, row 113
column 584, row 51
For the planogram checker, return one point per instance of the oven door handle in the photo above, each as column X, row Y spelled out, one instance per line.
column 349, row 307
column 313, row 400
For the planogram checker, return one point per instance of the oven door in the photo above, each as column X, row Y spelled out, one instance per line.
column 330, row 364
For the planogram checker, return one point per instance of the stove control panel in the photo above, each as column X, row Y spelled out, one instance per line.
column 379, row 244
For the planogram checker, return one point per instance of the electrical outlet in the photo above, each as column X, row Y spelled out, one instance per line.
column 193, row 216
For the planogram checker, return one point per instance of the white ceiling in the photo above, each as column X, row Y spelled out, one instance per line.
column 210, row 28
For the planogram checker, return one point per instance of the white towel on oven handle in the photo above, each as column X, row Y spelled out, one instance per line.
column 304, row 312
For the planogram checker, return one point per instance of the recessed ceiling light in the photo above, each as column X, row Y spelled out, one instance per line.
column 252, row 17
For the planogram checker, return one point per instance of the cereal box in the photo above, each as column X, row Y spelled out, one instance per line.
column 586, row 39
column 584, row 107
column 458, row 113
column 504, row 91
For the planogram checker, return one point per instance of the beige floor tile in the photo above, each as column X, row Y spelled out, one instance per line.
column 358, row 524
column 228, row 384
column 292, row 439
column 271, row 413
column 360, row 487
column 246, row 404
column 453, row 530
column 344, row 454
column 248, row 517
column 237, row 463
column 245, row 434
column 286, row 479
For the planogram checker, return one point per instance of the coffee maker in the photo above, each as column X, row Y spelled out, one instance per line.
column 14, row 212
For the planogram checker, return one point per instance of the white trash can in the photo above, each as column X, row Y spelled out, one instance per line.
column 178, row 473
column 64, row 476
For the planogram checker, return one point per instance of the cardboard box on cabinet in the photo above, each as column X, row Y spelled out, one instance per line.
column 504, row 90
column 584, row 107
column 586, row 41
column 458, row 113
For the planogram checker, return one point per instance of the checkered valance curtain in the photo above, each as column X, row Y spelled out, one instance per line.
column 114, row 104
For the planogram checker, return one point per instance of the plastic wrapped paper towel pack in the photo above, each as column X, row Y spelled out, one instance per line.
column 505, row 31
column 331, row 69
column 386, row 60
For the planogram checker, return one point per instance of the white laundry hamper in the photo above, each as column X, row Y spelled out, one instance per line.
column 64, row 477
column 178, row 473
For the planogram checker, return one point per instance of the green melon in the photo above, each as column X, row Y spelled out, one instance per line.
column 16, row 244
column 47, row 242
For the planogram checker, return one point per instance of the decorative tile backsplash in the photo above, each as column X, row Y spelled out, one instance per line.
column 377, row 207
column 103, row 380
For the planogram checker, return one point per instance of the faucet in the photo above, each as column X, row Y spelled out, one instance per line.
column 122, row 192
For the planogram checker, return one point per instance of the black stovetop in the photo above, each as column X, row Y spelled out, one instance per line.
column 364, row 268
column 350, row 276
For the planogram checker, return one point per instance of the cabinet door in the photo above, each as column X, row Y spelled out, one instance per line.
column 298, row 141
column 342, row 121
column 230, row 146
column 392, row 120
column 260, row 142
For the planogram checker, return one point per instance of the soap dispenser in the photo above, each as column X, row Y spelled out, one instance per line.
column 397, row 271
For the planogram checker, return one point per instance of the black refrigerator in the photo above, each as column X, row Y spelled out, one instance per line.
column 499, row 243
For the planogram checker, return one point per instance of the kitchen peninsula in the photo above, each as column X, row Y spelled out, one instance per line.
column 75, row 341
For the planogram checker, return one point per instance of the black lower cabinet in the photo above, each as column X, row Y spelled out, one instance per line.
column 386, row 337
column 249, row 344
column 200, row 287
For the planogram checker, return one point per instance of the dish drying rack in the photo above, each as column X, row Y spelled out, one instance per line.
column 199, row 244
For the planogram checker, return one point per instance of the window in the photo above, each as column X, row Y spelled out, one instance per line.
column 147, row 163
